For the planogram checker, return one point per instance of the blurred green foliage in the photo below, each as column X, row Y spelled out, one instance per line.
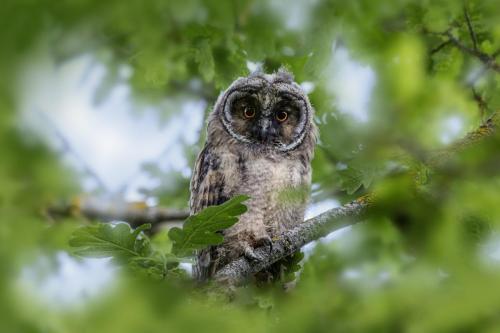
column 426, row 260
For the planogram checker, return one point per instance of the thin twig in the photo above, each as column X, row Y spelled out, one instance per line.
column 481, row 103
column 135, row 213
column 487, row 60
column 469, row 26
column 440, row 47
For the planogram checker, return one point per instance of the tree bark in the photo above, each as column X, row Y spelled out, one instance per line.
column 135, row 213
column 291, row 241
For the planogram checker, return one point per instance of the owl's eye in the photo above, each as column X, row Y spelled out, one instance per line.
column 281, row 116
column 248, row 112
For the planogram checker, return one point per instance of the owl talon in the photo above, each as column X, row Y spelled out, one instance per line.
column 266, row 241
column 250, row 254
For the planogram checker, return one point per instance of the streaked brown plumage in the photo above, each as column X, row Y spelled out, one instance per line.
column 260, row 142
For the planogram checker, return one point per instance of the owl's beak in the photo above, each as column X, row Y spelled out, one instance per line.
column 264, row 131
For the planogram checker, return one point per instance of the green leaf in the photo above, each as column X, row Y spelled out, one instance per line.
column 201, row 230
column 126, row 246
column 103, row 240
column 352, row 179
column 359, row 173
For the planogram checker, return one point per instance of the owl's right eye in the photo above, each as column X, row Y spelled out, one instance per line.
column 248, row 112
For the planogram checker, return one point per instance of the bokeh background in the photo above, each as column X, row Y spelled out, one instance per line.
column 106, row 101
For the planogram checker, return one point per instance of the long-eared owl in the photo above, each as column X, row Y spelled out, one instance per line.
column 260, row 142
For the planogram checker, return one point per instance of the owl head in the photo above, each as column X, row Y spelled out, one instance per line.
column 266, row 110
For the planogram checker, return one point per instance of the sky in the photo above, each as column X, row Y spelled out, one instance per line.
column 112, row 138
column 351, row 83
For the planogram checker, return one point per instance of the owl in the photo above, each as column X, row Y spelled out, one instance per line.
column 260, row 142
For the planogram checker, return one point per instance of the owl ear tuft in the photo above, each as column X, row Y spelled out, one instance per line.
column 284, row 75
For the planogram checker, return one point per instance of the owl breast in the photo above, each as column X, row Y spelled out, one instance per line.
column 278, row 189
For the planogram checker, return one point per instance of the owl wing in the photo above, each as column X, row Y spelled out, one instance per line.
column 207, row 189
column 207, row 183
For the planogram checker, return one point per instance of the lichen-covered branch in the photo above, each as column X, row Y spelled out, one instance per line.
column 291, row 241
column 485, row 130
column 135, row 213
column 334, row 219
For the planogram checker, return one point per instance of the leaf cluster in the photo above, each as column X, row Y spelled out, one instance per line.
column 159, row 257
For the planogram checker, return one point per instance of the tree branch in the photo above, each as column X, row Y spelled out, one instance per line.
column 292, row 240
column 135, row 213
column 440, row 47
column 472, row 33
column 488, row 61
column 289, row 242
column 481, row 103
column 486, row 129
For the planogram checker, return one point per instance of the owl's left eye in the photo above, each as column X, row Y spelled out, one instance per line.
column 281, row 116
column 248, row 112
